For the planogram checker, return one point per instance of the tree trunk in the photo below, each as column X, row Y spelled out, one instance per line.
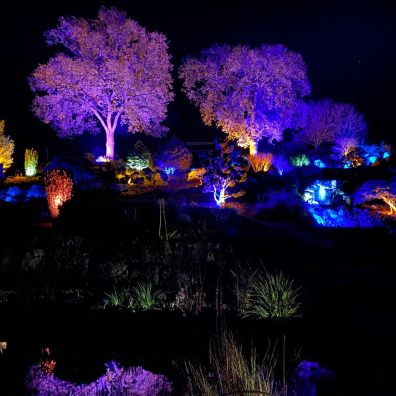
column 110, row 144
column 253, row 147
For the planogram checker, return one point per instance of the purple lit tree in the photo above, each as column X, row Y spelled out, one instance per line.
column 113, row 72
column 326, row 121
column 250, row 94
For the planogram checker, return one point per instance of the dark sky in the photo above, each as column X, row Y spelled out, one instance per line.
column 349, row 47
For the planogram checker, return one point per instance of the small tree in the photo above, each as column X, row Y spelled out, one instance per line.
column 227, row 168
column 31, row 162
column 140, row 157
column 59, row 189
column 173, row 155
column 7, row 146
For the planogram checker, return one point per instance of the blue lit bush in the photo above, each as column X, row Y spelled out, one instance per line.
column 76, row 167
column 323, row 192
column 173, row 156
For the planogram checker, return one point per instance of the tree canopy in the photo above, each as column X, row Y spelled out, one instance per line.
column 112, row 71
column 250, row 94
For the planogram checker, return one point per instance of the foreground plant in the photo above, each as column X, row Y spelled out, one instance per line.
column 145, row 297
column 231, row 373
column 275, row 297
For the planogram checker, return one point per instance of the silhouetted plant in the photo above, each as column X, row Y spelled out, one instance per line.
column 231, row 373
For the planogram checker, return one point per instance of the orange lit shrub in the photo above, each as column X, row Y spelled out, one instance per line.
column 196, row 175
column 261, row 162
column 59, row 189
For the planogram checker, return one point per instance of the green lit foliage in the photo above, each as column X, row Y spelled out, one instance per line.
column 274, row 296
column 139, row 158
column 145, row 297
column 31, row 162
column 300, row 160
column 116, row 298
column 7, row 147
column 231, row 373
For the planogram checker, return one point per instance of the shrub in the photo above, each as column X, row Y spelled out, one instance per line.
column 31, row 162
column 59, row 189
column 300, row 160
column 7, row 146
column 261, row 162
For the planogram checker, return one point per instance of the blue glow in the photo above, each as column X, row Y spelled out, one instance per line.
column 169, row 170
column 372, row 159
column 386, row 155
column 347, row 165
column 319, row 163
column 322, row 192
column 219, row 196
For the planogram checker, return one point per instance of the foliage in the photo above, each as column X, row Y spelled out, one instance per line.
column 274, row 296
column 241, row 287
column 345, row 146
column 281, row 164
column 250, row 94
column 117, row 381
column 174, row 154
column 145, row 297
column 78, row 168
column 227, row 168
column 230, row 372
column 31, row 162
column 190, row 298
column 113, row 72
column 325, row 121
column 117, row 298
column 261, row 162
column 59, row 189
column 300, row 160
column 139, row 158
column 379, row 190
column 7, row 146
column 196, row 175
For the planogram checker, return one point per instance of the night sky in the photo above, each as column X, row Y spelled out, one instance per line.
column 349, row 47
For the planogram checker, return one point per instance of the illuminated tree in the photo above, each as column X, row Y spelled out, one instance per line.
column 326, row 121
column 59, row 189
column 6, row 148
column 345, row 146
column 113, row 73
column 173, row 155
column 140, row 157
column 250, row 94
column 227, row 168
column 31, row 161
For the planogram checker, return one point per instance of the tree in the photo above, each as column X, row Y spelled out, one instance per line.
column 173, row 155
column 250, row 94
column 7, row 146
column 113, row 72
column 227, row 167
column 140, row 157
column 326, row 121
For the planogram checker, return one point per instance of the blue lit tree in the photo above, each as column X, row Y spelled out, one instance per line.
column 173, row 156
column 226, row 169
